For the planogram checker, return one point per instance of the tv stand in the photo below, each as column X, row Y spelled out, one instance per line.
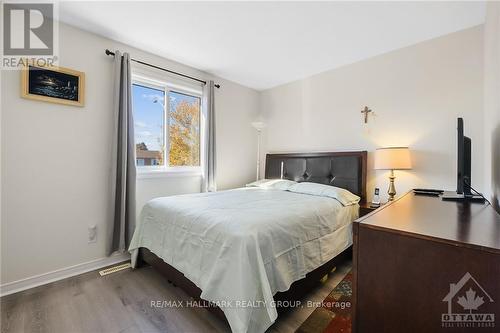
column 454, row 196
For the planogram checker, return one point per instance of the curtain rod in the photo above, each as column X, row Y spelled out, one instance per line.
column 110, row 53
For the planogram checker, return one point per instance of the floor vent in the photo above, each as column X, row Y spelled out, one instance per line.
column 114, row 269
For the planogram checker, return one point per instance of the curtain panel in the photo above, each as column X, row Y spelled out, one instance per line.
column 210, row 157
column 123, row 177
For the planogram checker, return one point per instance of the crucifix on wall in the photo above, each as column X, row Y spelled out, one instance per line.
column 365, row 112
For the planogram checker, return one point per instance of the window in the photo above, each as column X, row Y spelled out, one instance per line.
column 184, row 129
column 167, row 126
column 148, row 124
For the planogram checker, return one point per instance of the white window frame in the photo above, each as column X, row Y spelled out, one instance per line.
column 153, row 171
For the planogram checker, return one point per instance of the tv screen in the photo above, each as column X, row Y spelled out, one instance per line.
column 463, row 161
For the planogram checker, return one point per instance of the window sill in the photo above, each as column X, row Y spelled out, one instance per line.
column 148, row 174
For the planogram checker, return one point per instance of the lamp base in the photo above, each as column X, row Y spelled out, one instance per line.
column 392, row 189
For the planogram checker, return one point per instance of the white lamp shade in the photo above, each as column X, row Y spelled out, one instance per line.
column 394, row 158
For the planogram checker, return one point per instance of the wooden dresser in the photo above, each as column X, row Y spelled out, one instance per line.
column 425, row 265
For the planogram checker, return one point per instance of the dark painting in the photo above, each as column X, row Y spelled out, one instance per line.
column 44, row 82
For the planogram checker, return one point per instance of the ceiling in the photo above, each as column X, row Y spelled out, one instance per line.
column 265, row 44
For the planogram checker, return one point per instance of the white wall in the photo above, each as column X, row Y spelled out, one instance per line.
column 55, row 160
column 416, row 93
column 492, row 103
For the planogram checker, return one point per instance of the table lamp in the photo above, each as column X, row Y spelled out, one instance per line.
column 392, row 158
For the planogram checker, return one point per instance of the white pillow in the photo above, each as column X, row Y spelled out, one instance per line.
column 278, row 184
column 345, row 197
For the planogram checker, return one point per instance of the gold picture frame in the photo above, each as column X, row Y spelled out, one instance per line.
column 53, row 84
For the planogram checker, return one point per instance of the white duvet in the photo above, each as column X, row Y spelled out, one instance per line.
column 242, row 246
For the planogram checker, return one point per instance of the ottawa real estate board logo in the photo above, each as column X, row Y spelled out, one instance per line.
column 29, row 34
column 467, row 305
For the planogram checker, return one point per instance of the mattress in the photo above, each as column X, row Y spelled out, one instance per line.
column 242, row 246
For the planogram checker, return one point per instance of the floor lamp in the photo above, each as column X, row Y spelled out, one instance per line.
column 259, row 126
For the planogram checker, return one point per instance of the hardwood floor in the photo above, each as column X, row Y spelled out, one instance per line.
column 121, row 302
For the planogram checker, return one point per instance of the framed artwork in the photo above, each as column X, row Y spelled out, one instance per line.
column 53, row 84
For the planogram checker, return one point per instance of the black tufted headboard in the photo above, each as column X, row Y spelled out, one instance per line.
column 342, row 169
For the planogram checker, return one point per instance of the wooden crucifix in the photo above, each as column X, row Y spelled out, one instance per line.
column 365, row 111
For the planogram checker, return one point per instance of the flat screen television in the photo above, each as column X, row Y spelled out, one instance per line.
column 464, row 182
column 463, row 161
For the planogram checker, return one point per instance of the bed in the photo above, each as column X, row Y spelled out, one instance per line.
column 247, row 251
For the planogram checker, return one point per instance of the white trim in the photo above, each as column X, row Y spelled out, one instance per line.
column 169, row 173
column 63, row 273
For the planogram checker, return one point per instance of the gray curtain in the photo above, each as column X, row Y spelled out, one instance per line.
column 210, row 163
column 123, row 176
